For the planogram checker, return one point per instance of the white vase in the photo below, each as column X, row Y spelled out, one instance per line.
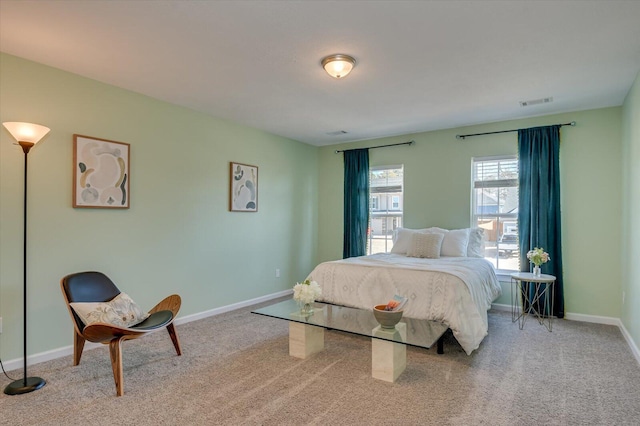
column 536, row 271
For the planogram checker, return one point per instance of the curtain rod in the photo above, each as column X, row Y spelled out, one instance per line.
column 379, row 146
column 573, row 123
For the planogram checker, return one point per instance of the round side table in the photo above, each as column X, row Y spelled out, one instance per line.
column 529, row 293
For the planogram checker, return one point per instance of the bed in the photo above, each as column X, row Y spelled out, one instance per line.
column 454, row 290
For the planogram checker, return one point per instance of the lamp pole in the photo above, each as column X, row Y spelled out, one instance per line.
column 26, row 384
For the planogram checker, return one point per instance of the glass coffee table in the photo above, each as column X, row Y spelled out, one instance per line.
column 388, row 346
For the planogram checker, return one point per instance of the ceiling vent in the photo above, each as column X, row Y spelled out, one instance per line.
column 536, row 101
column 337, row 133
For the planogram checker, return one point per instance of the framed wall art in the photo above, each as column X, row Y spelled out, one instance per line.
column 243, row 191
column 100, row 173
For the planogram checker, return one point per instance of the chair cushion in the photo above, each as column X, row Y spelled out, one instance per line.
column 89, row 287
column 122, row 311
column 155, row 320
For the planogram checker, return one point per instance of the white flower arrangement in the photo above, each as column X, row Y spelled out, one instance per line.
column 306, row 291
column 538, row 256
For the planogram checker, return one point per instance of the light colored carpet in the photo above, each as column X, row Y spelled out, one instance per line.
column 236, row 370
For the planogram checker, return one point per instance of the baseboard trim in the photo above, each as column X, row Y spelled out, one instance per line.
column 592, row 319
column 634, row 348
column 15, row 364
column 232, row 307
column 500, row 307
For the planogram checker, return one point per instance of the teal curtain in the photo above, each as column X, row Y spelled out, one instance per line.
column 356, row 202
column 539, row 205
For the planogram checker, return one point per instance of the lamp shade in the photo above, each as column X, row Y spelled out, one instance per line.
column 338, row 66
column 26, row 132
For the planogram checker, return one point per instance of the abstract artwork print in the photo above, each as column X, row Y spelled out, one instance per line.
column 243, row 196
column 100, row 173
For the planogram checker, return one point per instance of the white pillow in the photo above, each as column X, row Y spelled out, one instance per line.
column 425, row 245
column 476, row 243
column 120, row 311
column 435, row 229
column 455, row 242
column 402, row 239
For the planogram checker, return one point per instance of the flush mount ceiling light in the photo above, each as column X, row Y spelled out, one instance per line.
column 338, row 66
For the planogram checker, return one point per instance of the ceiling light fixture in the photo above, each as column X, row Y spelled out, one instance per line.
column 338, row 66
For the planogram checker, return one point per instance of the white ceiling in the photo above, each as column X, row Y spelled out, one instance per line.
column 421, row 65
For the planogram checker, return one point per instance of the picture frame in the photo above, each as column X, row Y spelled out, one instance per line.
column 101, row 175
column 243, row 187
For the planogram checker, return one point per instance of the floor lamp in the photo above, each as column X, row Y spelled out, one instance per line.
column 27, row 135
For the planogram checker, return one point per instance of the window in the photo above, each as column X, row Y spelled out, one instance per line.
column 385, row 215
column 495, row 208
column 395, row 202
column 373, row 204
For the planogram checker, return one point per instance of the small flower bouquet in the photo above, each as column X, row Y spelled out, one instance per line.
column 538, row 256
column 305, row 293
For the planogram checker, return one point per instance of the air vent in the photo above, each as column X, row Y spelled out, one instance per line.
column 337, row 133
column 536, row 101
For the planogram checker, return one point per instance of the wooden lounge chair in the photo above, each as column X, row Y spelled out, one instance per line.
column 97, row 287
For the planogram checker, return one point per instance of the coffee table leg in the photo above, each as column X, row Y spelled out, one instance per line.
column 388, row 359
column 305, row 340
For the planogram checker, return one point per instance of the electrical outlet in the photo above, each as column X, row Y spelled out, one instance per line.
column 277, row 273
column 623, row 297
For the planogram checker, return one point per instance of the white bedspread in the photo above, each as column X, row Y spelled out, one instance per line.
column 456, row 291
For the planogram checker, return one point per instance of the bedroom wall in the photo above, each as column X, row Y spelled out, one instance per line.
column 178, row 236
column 631, row 212
column 437, row 193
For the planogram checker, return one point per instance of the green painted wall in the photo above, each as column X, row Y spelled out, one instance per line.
column 631, row 212
column 178, row 236
column 437, row 193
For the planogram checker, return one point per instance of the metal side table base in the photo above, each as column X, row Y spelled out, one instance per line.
column 540, row 288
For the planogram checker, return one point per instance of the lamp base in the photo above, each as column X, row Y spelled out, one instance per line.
column 27, row 385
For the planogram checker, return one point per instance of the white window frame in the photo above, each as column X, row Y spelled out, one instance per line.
column 501, row 217
column 395, row 202
column 374, row 202
column 392, row 216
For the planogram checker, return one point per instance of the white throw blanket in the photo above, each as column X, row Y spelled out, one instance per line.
column 456, row 291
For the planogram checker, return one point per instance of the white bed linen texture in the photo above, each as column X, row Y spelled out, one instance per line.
column 456, row 291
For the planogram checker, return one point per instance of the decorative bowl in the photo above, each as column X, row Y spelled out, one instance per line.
column 386, row 319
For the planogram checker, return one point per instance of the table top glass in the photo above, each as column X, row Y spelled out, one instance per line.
column 409, row 331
